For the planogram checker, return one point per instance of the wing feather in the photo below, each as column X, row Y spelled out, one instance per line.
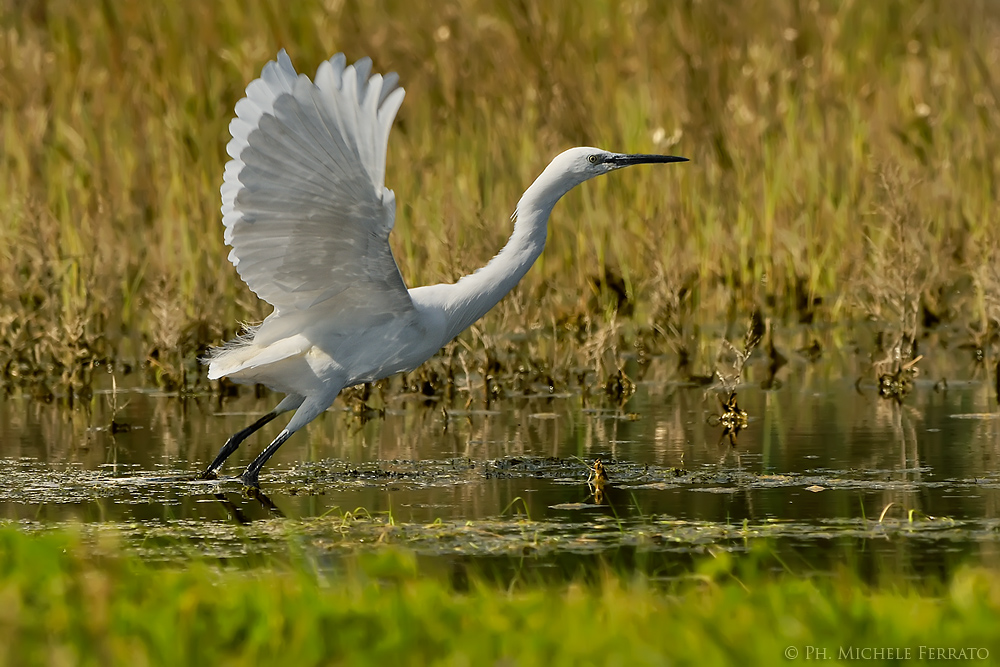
column 304, row 204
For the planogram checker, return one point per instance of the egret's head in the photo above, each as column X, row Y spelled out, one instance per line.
column 576, row 165
column 584, row 162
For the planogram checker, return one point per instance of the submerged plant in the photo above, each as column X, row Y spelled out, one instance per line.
column 732, row 418
column 899, row 272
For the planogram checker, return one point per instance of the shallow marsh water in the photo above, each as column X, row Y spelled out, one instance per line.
column 825, row 471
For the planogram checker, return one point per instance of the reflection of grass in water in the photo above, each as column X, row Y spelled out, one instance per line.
column 114, row 126
column 68, row 603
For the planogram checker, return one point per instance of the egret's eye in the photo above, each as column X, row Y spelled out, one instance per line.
column 592, row 159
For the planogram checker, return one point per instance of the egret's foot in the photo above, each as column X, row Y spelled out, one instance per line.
column 251, row 485
column 209, row 474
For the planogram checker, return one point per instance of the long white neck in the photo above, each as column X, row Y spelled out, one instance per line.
column 475, row 294
column 447, row 310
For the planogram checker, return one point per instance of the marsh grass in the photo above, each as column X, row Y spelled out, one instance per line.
column 113, row 126
column 72, row 602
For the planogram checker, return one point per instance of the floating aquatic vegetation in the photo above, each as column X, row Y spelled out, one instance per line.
column 897, row 384
column 733, row 419
column 597, row 479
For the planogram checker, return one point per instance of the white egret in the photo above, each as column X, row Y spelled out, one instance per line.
column 308, row 218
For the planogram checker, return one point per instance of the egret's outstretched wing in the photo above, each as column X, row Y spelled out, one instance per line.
column 303, row 201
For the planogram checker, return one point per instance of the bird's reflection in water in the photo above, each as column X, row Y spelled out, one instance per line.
column 236, row 510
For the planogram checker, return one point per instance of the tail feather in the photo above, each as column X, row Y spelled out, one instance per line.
column 221, row 357
column 246, row 360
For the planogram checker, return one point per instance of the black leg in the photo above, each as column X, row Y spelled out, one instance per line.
column 212, row 471
column 249, row 475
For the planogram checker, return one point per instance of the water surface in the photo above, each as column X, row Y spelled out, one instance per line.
column 824, row 470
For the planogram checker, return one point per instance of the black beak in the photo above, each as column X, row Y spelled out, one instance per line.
column 622, row 160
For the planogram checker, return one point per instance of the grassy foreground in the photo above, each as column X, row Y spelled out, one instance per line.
column 843, row 167
column 65, row 603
